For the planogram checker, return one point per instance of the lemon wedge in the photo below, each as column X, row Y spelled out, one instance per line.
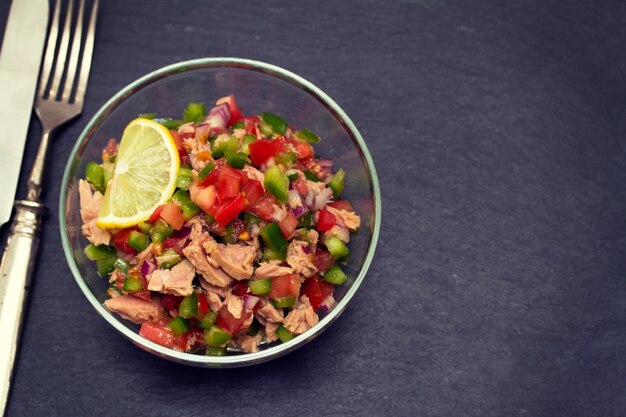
column 144, row 177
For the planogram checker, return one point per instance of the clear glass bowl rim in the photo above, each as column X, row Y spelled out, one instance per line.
column 191, row 65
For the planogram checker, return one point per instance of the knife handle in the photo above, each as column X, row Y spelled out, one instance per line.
column 15, row 276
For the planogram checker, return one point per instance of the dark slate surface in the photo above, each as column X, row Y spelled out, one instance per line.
column 498, row 286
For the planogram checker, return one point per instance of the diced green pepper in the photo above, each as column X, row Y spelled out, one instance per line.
column 148, row 116
column 138, row 241
column 145, row 227
column 254, row 328
column 287, row 159
column 250, row 219
column 307, row 136
column 271, row 123
column 270, row 254
column 179, row 325
column 106, row 266
column 96, row 253
column 336, row 183
column 132, row 284
column 277, row 183
column 284, row 302
column 284, row 335
column 247, row 140
column 160, row 231
column 215, row 351
column 169, row 123
column 194, row 112
column 210, row 166
column 122, row 265
column 222, row 148
column 109, row 168
column 188, row 207
column 239, row 125
column 311, row 176
column 188, row 308
column 335, row 275
column 337, row 249
column 260, row 286
column 273, row 238
column 184, row 177
column 216, row 337
column 306, row 220
column 168, row 259
column 292, row 176
column 236, row 159
column 94, row 173
column 208, row 320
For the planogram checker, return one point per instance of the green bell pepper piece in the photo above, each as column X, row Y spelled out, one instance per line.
column 188, row 307
column 208, row 320
column 273, row 238
column 188, row 207
column 306, row 220
column 169, row 123
column 94, row 174
column 138, row 241
column 216, row 337
column 337, row 249
column 277, row 183
column 284, row 302
column 194, row 112
column 271, row 123
column 168, row 259
column 260, row 286
column 99, row 252
column 311, row 176
column 106, row 266
column 236, row 160
column 184, row 177
column 287, row 159
column 160, row 231
column 132, row 284
column 210, row 166
column 335, row 275
column 179, row 325
column 247, row 140
column 284, row 335
column 307, row 136
column 215, row 351
column 336, row 183
column 122, row 265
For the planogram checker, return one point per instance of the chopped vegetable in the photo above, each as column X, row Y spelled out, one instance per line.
column 277, row 183
column 284, row 335
column 335, row 275
column 260, row 286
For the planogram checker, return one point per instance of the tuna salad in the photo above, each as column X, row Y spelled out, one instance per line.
column 248, row 249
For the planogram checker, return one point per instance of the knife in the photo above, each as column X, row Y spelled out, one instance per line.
column 20, row 58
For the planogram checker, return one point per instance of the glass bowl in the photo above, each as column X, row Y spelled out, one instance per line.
column 258, row 87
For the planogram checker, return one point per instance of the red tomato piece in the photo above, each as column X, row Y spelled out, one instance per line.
column 227, row 183
column 323, row 260
column 195, row 339
column 156, row 215
column 179, row 143
column 230, row 209
column 240, row 288
column 205, row 198
column 285, row 286
column 342, row 205
column 253, row 191
column 229, row 323
column 172, row 214
column 317, row 290
column 120, row 240
column 178, row 244
column 300, row 186
column 144, row 295
column 265, row 207
column 288, row 225
column 171, row 302
column 203, row 305
column 158, row 334
column 235, row 111
column 250, row 124
column 262, row 150
column 326, row 220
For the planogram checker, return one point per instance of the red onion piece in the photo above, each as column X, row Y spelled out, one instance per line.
column 182, row 233
column 202, row 131
column 147, row 268
column 326, row 305
column 218, row 116
column 322, row 198
column 249, row 301
column 325, row 163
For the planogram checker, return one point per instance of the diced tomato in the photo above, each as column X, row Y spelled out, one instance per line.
column 288, row 225
column 317, row 290
column 156, row 215
column 323, row 260
column 172, row 214
column 194, row 339
column 342, row 205
column 230, row 209
column 265, row 207
column 178, row 244
column 203, row 306
column 310, row 164
column 228, row 322
column 205, row 198
column 227, row 183
column 285, row 286
column 326, row 220
column 120, row 240
column 171, row 302
column 250, row 124
column 300, row 186
column 304, row 149
column 240, row 288
column 211, row 178
column 179, row 142
column 235, row 111
column 142, row 295
column 158, row 334
column 253, row 191
column 262, row 150
column 119, row 279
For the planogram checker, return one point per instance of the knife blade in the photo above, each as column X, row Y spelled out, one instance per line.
column 20, row 59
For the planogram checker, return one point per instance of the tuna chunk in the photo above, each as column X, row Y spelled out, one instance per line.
column 345, row 218
column 196, row 254
column 177, row 281
column 236, row 260
column 197, row 225
column 300, row 319
column 270, row 331
column 89, row 208
column 134, row 309
column 254, row 174
column 339, row 232
column 269, row 313
column 234, row 305
column 214, row 300
column 247, row 343
column 300, row 258
column 272, row 269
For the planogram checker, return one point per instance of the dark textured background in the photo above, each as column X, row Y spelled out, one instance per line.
column 498, row 287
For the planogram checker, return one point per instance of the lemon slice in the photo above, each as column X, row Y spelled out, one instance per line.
column 144, row 177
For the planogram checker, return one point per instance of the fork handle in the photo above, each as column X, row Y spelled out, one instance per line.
column 16, row 271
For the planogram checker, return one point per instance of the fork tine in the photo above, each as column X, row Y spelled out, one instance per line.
column 65, row 40
column 87, row 53
column 50, row 50
column 75, row 51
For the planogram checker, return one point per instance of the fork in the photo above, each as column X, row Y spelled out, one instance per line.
column 54, row 107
